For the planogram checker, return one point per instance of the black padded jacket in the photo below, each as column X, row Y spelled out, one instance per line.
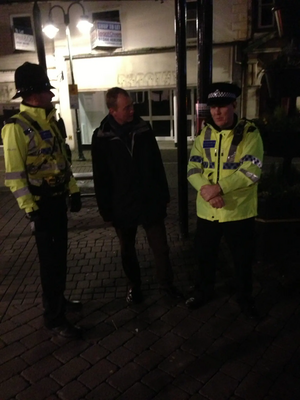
column 129, row 177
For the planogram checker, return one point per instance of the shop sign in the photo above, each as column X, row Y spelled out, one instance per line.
column 106, row 34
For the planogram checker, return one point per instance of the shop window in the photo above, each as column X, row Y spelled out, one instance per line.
column 263, row 16
column 160, row 102
column 140, row 102
column 112, row 16
column 161, row 128
column 22, row 32
column 191, row 21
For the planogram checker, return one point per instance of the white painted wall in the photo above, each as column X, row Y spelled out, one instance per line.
column 146, row 24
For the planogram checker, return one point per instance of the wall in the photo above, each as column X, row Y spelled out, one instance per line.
column 146, row 25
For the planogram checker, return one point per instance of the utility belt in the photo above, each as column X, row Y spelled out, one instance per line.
column 51, row 186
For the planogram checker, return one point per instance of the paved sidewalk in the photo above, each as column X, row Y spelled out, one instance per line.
column 157, row 350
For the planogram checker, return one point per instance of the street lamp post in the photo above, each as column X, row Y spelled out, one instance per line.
column 50, row 30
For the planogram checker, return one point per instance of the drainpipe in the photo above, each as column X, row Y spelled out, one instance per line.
column 40, row 48
column 181, row 115
column 204, row 45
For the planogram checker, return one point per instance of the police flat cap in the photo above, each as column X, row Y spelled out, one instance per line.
column 222, row 93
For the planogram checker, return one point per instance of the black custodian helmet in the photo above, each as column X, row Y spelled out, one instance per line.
column 222, row 93
column 31, row 78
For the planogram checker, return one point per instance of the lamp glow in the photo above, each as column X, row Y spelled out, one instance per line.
column 50, row 30
column 84, row 25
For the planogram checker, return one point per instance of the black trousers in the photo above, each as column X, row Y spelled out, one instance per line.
column 157, row 239
column 51, row 237
column 240, row 237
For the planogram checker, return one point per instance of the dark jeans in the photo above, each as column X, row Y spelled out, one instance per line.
column 51, row 237
column 240, row 237
column 157, row 239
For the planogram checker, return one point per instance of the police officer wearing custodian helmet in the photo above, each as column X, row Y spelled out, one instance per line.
column 39, row 175
column 224, row 167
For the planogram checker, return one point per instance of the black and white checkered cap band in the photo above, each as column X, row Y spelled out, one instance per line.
column 219, row 95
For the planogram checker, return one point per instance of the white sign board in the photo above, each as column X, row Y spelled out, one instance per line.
column 24, row 42
column 106, row 34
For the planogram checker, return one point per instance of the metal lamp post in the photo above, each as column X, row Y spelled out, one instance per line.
column 50, row 30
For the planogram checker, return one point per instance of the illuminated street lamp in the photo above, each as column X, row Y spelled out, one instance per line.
column 51, row 30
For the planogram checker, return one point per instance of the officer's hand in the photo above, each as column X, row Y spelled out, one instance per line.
column 75, row 202
column 210, row 191
column 35, row 221
column 217, row 202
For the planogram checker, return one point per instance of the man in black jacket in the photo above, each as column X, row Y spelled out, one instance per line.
column 131, row 189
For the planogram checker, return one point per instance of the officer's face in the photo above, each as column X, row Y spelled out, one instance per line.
column 223, row 116
column 45, row 99
column 124, row 111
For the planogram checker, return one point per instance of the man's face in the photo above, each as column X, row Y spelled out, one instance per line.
column 123, row 113
column 223, row 116
column 42, row 100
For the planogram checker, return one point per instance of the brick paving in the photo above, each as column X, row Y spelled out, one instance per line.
column 156, row 350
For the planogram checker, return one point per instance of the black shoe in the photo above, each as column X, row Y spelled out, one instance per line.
column 171, row 291
column 67, row 330
column 194, row 302
column 73, row 305
column 198, row 300
column 134, row 295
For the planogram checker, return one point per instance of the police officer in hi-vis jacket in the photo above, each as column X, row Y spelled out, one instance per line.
column 224, row 167
column 39, row 175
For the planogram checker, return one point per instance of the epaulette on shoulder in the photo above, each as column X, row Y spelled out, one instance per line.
column 10, row 120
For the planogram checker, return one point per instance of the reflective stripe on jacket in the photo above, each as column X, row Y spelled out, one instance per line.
column 233, row 159
column 35, row 153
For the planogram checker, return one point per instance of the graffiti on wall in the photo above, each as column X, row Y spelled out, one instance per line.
column 150, row 79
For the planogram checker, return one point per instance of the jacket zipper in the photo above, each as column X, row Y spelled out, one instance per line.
column 219, row 158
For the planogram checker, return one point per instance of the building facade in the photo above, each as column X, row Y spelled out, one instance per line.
column 132, row 45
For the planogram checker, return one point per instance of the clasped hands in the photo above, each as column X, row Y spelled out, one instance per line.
column 212, row 194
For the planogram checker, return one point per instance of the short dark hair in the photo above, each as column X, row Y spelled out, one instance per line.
column 112, row 94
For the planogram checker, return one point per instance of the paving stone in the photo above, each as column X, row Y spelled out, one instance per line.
column 73, row 391
column 187, row 383
column 11, row 368
column 9, row 389
column 118, row 338
column 160, row 328
column 39, row 390
column 254, row 386
column 187, row 327
column 168, row 344
column 176, row 362
column 17, row 334
column 286, row 386
column 94, row 354
column 171, row 392
column 97, row 374
column 121, row 356
column 70, row 350
column 148, row 359
column 70, row 371
column 9, row 352
column 235, row 369
column 41, row 369
column 126, row 376
column 38, row 352
column 219, row 387
column 103, row 391
column 141, row 341
column 137, row 391
column 157, row 380
column 203, row 368
column 222, row 348
column 36, row 338
column 197, row 344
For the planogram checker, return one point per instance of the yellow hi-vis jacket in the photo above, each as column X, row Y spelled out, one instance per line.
column 233, row 159
column 35, row 157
